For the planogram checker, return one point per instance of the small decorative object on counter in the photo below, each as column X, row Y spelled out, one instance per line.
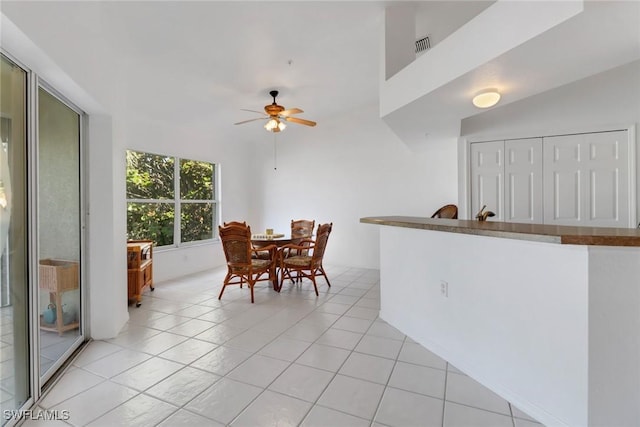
column 482, row 215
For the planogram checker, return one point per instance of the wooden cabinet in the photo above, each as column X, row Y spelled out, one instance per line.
column 140, row 268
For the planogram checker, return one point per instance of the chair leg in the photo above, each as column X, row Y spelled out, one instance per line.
column 284, row 272
column 313, row 279
column 226, row 280
column 325, row 276
column 251, row 287
column 273, row 278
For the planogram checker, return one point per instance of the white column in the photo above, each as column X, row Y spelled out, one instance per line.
column 106, row 238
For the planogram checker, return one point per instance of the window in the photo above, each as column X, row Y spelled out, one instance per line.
column 171, row 201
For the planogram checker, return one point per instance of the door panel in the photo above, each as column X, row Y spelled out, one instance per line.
column 607, row 167
column 567, row 196
column 563, row 180
column 487, row 178
column 586, row 179
column 523, row 187
column 59, row 231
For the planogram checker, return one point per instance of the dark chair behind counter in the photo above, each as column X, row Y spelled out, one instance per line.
column 447, row 211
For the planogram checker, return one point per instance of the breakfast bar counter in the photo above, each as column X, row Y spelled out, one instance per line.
column 548, row 317
column 597, row 236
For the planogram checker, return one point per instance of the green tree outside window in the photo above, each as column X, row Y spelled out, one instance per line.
column 152, row 208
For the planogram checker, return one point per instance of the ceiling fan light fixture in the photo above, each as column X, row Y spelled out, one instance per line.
column 272, row 125
column 276, row 116
column 487, row 98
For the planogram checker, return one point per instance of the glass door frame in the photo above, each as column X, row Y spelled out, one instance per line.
column 38, row 385
column 32, row 356
column 33, row 162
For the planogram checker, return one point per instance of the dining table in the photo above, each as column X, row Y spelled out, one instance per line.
column 262, row 240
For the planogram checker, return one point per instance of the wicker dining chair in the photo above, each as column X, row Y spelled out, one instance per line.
column 241, row 267
column 306, row 266
column 301, row 230
column 239, row 223
column 260, row 253
column 447, row 211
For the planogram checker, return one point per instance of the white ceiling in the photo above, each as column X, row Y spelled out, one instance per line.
column 197, row 62
column 205, row 60
column 202, row 61
column 215, row 58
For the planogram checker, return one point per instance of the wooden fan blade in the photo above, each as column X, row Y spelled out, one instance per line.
column 252, row 111
column 251, row 120
column 291, row 111
column 300, row 121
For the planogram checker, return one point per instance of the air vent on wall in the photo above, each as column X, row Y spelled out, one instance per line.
column 423, row 44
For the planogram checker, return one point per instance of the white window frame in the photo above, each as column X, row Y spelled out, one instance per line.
column 177, row 201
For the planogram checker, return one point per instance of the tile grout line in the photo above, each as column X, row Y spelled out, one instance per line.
column 335, row 374
column 290, row 363
column 395, row 363
column 138, row 393
column 444, row 396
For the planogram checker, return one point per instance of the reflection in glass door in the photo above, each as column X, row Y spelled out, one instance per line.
column 14, row 293
column 58, row 229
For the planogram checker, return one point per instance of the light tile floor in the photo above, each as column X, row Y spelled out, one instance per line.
column 187, row 359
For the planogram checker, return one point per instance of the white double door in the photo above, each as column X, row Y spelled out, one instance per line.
column 580, row 179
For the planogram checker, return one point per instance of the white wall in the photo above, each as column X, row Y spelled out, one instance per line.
column 399, row 37
column 609, row 98
column 346, row 168
column 560, row 342
column 198, row 142
column 439, row 19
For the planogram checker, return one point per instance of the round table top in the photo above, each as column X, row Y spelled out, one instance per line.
column 276, row 239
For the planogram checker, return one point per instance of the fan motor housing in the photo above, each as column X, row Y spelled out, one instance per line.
column 273, row 109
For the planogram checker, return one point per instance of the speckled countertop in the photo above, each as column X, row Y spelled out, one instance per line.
column 569, row 235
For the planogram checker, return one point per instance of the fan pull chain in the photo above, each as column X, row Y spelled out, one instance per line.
column 275, row 153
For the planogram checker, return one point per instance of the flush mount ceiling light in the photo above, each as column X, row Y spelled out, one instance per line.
column 487, row 98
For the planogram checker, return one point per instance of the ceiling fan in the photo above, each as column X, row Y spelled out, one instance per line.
column 276, row 115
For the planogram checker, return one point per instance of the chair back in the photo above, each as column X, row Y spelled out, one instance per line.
column 236, row 243
column 322, row 236
column 302, row 229
column 238, row 223
column 447, row 211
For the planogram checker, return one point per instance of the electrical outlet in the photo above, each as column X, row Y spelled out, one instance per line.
column 444, row 289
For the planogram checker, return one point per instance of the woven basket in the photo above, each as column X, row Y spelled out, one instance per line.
column 58, row 275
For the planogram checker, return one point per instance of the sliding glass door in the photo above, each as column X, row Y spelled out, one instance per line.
column 15, row 369
column 58, row 230
column 40, row 236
